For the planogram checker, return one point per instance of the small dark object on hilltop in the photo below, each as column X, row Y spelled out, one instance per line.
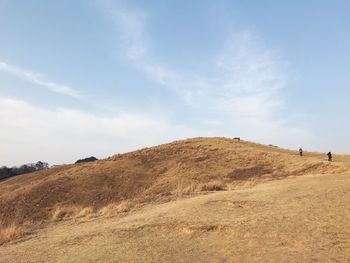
column 86, row 160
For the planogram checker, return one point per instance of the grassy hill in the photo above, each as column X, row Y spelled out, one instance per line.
column 196, row 200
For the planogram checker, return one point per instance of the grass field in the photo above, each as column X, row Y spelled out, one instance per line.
column 199, row 200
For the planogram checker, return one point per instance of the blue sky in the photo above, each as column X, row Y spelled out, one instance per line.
column 81, row 78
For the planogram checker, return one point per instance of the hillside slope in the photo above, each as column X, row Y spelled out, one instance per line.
column 187, row 169
column 304, row 219
column 171, row 169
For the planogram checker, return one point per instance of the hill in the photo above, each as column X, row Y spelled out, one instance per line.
column 208, row 199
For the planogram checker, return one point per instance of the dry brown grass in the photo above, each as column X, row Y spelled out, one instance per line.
column 165, row 172
column 10, row 232
column 214, row 186
column 69, row 212
column 86, row 211
column 191, row 188
column 303, row 219
column 186, row 188
column 116, row 208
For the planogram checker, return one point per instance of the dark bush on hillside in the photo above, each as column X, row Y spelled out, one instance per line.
column 6, row 172
column 86, row 160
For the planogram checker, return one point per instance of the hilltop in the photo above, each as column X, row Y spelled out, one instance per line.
column 201, row 194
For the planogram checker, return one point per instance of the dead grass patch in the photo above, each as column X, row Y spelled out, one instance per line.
column 213, row 186
column 194, row 188
column 116, row 208
column 250, row 172
column 68, row 212
column 186, row 188
column 10, row 232
column 206, row 228
column 85, row 212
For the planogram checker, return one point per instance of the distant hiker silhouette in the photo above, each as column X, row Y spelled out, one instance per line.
column 300, row 152
column 329, row 156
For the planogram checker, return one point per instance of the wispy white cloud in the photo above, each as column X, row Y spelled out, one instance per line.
column 246, row 93
column 40, row 80
column 29, row 133
column 134, row 40
column 243, row 92
column 250, row 79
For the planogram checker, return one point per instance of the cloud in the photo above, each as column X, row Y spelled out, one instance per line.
column 242, row 94
column 132, row 29
column 250, row 79
column 39, row 79
column 246, row 93
column 29, row 133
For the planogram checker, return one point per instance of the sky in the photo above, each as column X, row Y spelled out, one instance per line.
column 101, row 77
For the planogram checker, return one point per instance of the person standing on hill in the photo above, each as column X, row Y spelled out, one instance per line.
column 329, row 154
column 300, row 151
